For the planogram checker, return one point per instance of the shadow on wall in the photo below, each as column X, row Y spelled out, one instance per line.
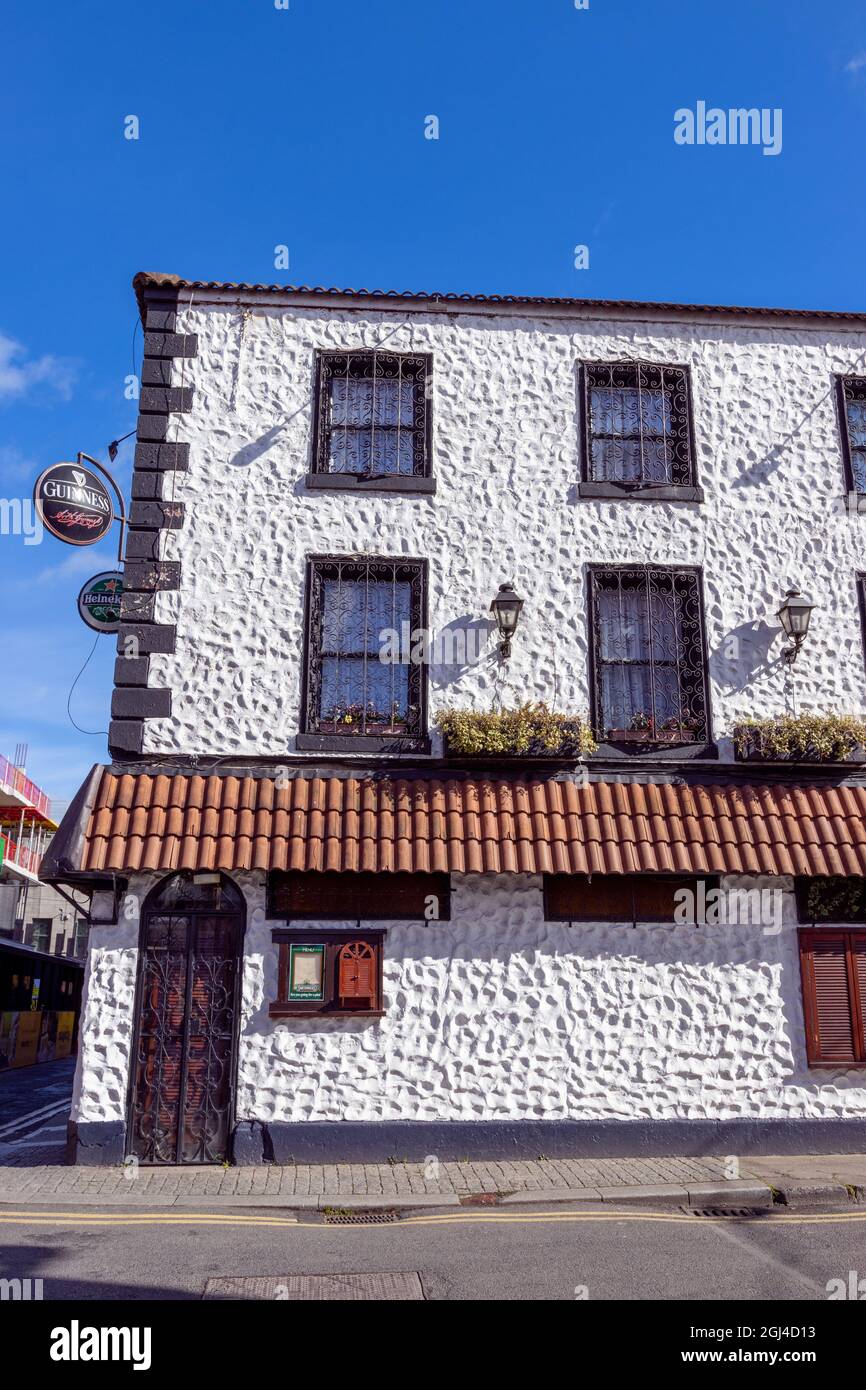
column 744, row 654
column 459, row 646
column 254, row 450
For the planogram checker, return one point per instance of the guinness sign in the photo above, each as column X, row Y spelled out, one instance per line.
column 73, row 504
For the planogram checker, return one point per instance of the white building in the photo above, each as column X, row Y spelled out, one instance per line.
column 321, row 929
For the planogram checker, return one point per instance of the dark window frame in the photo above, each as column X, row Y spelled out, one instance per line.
column 333, row 942
column 41, row 925
column 805, row 885
column 437, row 884
column 816, row 1056
column 857, row 386
column 684, row 490
column 420, row 368
column 634, row 880
column 310, row 736
column 703, row 743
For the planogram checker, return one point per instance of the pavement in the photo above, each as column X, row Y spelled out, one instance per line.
column 34, row 1106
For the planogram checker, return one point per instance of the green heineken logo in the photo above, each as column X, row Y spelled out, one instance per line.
column 99, row 601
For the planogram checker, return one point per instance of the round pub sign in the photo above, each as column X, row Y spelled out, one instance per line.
column 73, row 503
column 99, row 601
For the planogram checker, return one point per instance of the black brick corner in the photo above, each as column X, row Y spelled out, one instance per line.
column 151, row 513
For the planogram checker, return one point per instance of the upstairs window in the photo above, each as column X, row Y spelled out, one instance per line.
column 637, row 428
column 626, row 898
column 647, row 641
column 333, row 896
column 852, row 418
column 364, row 680
column 373, row 415
column 833, row 972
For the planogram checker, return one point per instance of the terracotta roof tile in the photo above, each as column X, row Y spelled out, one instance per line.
column 473, row 825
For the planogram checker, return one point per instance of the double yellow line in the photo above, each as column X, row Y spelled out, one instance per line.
column 485, row 1218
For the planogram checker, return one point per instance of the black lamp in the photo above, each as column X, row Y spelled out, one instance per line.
column 506, row 609
column 794, row 615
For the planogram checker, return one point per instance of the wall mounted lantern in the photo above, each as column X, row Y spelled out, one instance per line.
column 794, row 615
column 506, row 609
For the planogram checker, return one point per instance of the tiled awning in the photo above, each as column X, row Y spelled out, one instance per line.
column 465, row 825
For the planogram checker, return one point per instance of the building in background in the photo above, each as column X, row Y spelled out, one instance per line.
column 30, row 911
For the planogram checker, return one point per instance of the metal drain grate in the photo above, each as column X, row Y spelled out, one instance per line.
column 730, row 1213
column 360, row 1218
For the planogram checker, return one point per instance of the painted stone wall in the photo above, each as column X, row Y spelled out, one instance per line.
column 497, row 1015
column 506, row 460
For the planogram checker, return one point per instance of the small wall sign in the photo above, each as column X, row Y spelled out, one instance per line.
column 99, row 601
column 73, row 503
column 306, row 972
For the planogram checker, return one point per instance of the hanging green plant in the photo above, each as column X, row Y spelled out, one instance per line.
column 530, row 730
column 810, row 738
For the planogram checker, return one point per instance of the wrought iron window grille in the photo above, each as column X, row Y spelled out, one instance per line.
column 356, row 680
column 851, row 392
column 648, row 655
column 373, row 414
column 637, row 425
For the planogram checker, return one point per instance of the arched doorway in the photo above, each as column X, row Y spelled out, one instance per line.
column 183, row 1073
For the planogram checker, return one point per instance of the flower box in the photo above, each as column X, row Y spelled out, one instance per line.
column 532, row 730
column 805, row 738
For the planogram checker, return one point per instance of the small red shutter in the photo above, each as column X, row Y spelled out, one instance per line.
column 827, row 998
column 357, row 972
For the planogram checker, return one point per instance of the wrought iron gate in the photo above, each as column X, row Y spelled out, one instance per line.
column 182, row 1086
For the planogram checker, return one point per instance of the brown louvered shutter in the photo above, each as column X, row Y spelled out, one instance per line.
column 827, row 999
column 357, row 973
column 858, row 965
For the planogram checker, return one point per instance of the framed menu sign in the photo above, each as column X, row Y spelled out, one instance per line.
column 306, row 972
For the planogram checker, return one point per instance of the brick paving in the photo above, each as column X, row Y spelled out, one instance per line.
column 357, row 1179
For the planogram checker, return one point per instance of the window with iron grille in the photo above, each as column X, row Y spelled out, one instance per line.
column 852, row 419
column 637, row 425
column 365, row 675
column 373, row 416
column 648, row 655
column 833, row 974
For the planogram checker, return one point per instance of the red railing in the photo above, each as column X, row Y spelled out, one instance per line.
column 13, row 777
column 25, row 858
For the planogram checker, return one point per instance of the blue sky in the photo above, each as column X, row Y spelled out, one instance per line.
column 305, row 127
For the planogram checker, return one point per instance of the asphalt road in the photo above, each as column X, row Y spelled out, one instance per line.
column 565, row 1254
column 34, row 1108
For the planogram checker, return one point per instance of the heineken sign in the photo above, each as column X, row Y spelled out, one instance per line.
column 73, row 504
column 99, row 601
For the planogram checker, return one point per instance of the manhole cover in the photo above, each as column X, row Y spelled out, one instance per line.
column 321, row 1288
column 732, row 1213
column 360, row 1218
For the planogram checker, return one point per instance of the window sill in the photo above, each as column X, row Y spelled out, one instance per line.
column 286, row 1011
column 651, row 492
column 348, row 482
column 626, row 752
column 362, row 743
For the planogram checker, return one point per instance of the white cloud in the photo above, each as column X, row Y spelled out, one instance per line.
column 19, row 372
column 78, row 562
column 15, row 465
column 856, row 63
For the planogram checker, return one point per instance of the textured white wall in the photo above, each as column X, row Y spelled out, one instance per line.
column 500, row 1015
column 506, row 461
